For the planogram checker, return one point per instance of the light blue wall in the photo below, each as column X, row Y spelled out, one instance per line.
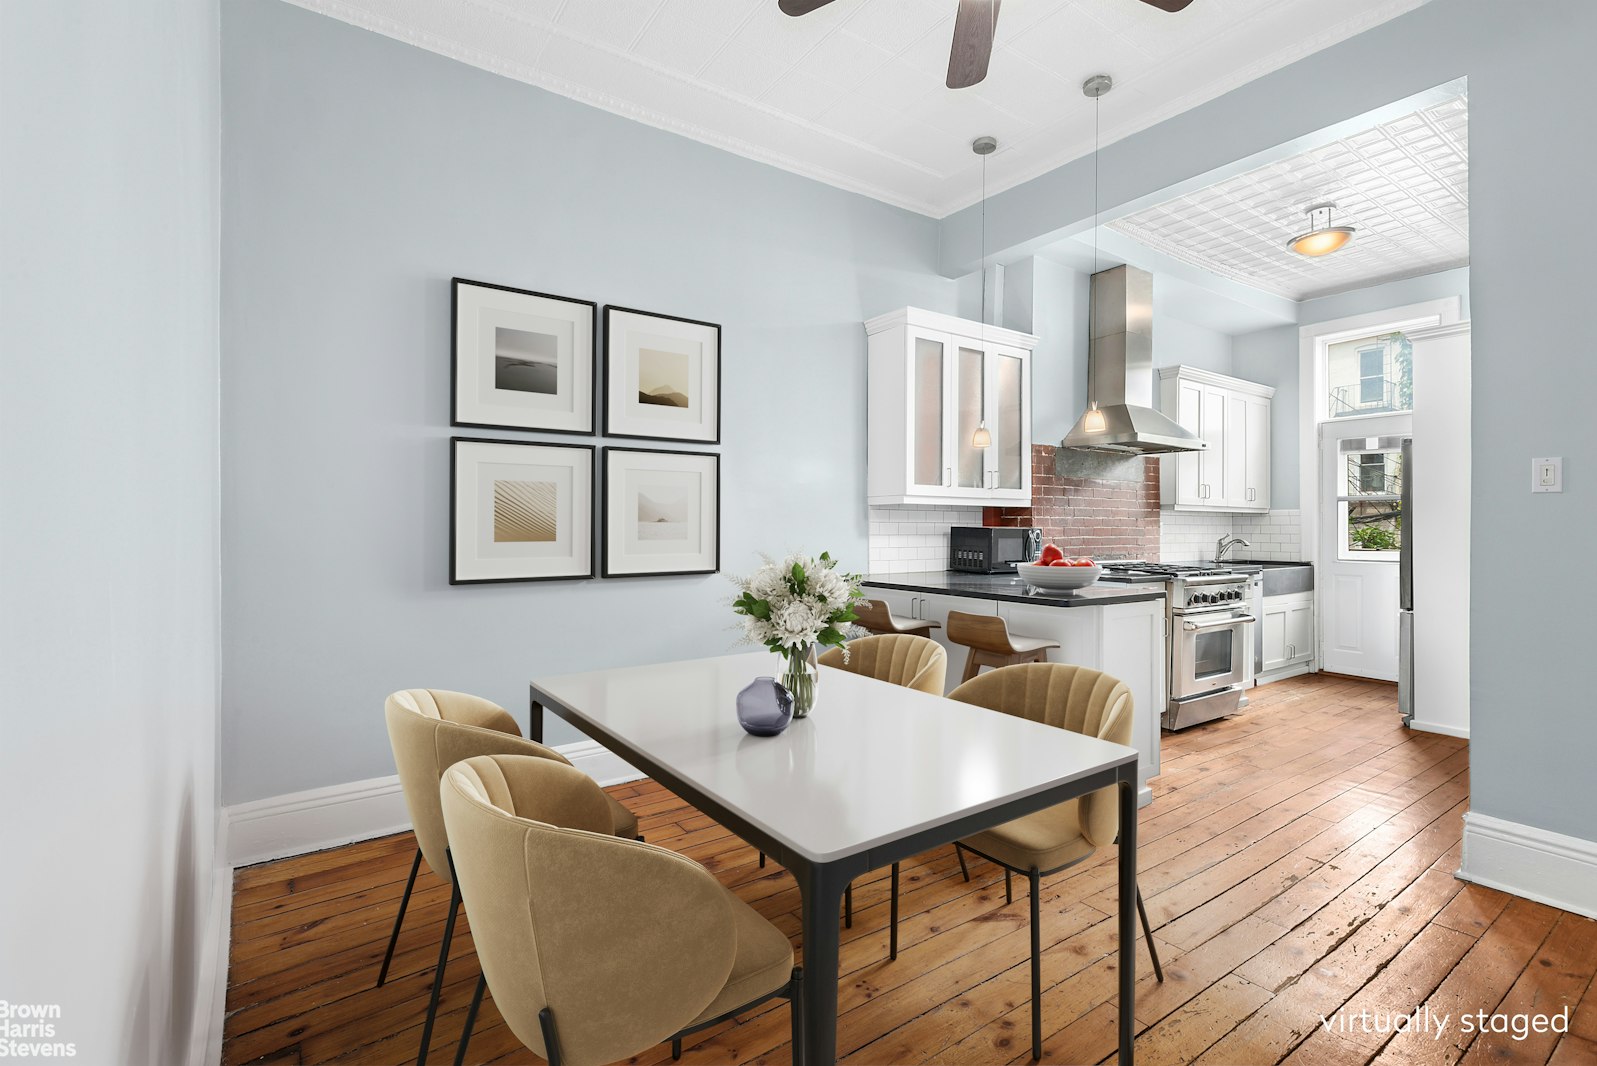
column 359, row 175
column 1187, row 344
column 109, row 142
column 1529, row 287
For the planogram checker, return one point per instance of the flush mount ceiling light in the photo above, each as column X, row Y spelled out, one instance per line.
column 1322, row 237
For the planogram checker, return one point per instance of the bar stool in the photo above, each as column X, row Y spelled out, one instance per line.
column 875, row 616
column 991, row 643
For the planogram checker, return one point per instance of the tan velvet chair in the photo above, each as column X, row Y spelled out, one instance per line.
column 899, row 659
column 1066, row 697
column 430, row 730
column 596, row 948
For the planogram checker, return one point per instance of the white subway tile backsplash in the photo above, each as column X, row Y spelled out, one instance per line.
column 904, row 539
column 1277, row 536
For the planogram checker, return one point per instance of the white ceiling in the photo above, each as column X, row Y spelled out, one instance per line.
column 1403, row 184
column 853, row 94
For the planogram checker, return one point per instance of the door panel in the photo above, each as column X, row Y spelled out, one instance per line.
column 970, row 394
column 1211, row 461
column 1189, row 413
column 928, row 433
column 1358, row 602
column 1007, row 400
column 1237, row 446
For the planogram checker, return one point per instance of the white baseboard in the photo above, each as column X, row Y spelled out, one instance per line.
column 318, row 818
column 1440, row 727
column 1550, row 868
column 210, row 987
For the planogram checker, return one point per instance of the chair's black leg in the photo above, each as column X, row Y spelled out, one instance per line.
column 795, row 1006
column 676, row 1048
column 848, row 907
column 404, row 901
column 551, row 1040
column 892, row 935
column 1009, row 888
column 639, row 838
column 762, row 860
column 1036, row 968
column 960, row 852
column 471, row 1020
column 1147, row 934
column 438, row 975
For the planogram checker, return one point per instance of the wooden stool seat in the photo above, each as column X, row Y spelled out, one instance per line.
column 991, row 643
column 874, row 616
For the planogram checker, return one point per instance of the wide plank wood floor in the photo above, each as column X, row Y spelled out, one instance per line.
column 1297, row 862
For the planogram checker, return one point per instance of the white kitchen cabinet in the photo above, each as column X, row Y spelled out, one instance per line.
column 1288, row 634
column 1233, row 417
column 932, row 381
column 1126, row 640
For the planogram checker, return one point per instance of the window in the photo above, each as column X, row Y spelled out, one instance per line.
column 1372, row 499
column 1370, row 375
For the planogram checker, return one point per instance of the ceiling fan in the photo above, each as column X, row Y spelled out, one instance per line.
column 973, row 34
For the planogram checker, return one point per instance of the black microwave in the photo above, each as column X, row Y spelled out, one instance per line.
column 992, row 549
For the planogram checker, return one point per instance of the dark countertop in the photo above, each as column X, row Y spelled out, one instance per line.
column 1245, row 566
column 1010, row 588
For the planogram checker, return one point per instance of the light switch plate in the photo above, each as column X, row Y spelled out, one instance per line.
column 1547, row 475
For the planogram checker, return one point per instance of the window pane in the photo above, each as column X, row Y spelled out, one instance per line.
column 1374, row 474
column 928, row 412
column 1373, row 526
column 1370, row 375
column 971, row 471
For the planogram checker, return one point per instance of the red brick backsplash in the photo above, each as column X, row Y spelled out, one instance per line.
column 1088, row 516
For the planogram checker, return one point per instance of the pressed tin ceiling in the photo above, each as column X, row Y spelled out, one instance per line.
column 1402, row 184
column 853, row 94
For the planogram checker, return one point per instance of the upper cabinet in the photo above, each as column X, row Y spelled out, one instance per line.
column 1233, row 418
column 949, row 411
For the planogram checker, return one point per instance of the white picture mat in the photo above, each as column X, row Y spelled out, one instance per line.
column 630, row 474
column 478, row 312
column 478, row 557
column 629, row 333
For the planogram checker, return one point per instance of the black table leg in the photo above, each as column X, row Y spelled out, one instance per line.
column 822, row 889
column 1128, row 913
column 535, row 722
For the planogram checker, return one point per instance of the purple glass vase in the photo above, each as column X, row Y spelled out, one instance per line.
column 764, row 707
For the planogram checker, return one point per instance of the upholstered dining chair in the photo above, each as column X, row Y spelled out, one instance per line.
column 1045, row 842
column 430, row 730
column 597, row 948
column 899, row 659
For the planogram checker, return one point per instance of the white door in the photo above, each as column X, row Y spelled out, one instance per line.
column 1360, row 480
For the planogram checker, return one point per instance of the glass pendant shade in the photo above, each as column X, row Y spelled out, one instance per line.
column 1093, row 421
column 982, row 438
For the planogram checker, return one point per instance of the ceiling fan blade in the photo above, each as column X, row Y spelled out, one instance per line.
column 1171, row 6
column 800, row 7
column 973, row 42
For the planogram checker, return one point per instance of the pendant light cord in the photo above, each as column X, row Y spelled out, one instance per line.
column 984, row 243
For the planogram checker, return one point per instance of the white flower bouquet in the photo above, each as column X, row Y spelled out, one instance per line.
column 793, row 605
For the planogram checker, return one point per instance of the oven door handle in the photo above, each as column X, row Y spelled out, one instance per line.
column 1229, row 620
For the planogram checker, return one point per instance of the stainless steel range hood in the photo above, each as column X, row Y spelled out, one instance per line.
column 1120, row 417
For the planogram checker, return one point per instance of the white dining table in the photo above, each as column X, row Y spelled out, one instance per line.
column 876, row 773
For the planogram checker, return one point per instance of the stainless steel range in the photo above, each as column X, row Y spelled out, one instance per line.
column 1208, row 639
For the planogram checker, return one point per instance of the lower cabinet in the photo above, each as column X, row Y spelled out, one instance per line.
column 1287, row 629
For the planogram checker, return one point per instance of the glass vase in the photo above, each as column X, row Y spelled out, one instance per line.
column 800, row 677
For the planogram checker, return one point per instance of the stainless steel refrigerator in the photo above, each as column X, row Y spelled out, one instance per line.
column 1405, row 590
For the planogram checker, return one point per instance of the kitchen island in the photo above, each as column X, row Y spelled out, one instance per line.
column 1116, row 628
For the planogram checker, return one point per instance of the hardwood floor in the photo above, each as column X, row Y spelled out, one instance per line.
column 1297, row 862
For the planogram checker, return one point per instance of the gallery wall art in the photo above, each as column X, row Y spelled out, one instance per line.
column 522, row 359
column 662, row 512
column 521, row 511
column 662, row 377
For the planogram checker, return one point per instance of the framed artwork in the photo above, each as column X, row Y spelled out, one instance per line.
column 662, row 512
column 522, row 360
column 521, row 511
column 662, row 377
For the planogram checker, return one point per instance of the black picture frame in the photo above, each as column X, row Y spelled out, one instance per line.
column 603, row 528
column 609, row 369
column 454, row 516
column 455, row 418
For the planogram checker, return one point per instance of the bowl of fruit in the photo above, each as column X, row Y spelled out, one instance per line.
column 1054, row 570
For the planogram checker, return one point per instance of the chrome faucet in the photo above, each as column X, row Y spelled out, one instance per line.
column 1226, row 543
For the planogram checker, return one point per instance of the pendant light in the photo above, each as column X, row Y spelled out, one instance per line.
column 984, row 147
column 1094, row 88
column 1322, row 238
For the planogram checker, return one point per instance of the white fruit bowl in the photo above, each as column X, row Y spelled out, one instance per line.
column 1058, row 577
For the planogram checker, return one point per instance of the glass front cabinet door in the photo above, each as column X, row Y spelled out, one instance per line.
column 949, row 412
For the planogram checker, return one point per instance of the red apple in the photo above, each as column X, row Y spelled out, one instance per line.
column 1061, row 562
column 1050, row 553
